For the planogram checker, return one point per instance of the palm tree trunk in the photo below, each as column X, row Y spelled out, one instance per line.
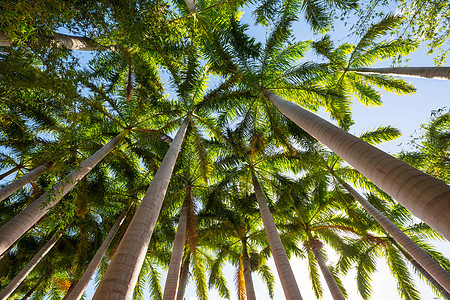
column 81, row 285
column 27, row 178
column 16, row 168
column 121, row 276
column 17, row 280
column 422, row 257
column 68, row 41
column 336, row 292
column 250, row 290
column 32, row 290
column 173, row 274
column 284, row 270
column 422, row 271
column 184, row 277
column 426, row 197
column 418, row 72
column 430, row 278
column 190, row 5
column 17, row 226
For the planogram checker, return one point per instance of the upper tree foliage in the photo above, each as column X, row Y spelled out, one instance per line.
column 156, row 64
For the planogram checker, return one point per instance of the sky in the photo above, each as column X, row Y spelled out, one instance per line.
column 404, row 112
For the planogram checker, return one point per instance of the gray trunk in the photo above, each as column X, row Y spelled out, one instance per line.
column 249, row 288
column 190, row 5
column 183, row 277
column 426, row 197
column 173, row 274
column 329, row 279
column 417, row 72
column 17, row 280
column 121, row 276
column 68, row 41
column 17, row 226
column 430, row 278
column 81, row 285
column 422, row 257
column 27, row 178
column 287, row 278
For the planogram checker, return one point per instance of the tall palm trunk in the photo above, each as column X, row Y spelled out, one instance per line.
column 315, row 246
column 7, row 173
column 17, row 280
column 250, row 290
column 422, row 257
column 418, row 72
column 77, row 291
column 27, row 178
column 68, row 41
column 426, row 197
column 173, row 275
column 284, row 270
column 121, row 276
column 184, row 277
column 424, row 272
column 18, row 225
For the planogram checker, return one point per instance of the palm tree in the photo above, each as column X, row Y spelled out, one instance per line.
column 407, row 185
column 10, row 288
column 17, row 226
column 248, row 159
column 417, row 72
column 312, row 213
column 27, row 178
column 330, row 165
column 78, row 289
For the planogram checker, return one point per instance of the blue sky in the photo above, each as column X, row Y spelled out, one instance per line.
column 404, row 112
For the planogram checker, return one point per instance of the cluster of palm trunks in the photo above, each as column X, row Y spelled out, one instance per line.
column 424, row 196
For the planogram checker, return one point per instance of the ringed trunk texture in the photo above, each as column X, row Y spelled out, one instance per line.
column 173, row 274
column 249, row 288
column 17, row 226
column 422, row 257
column 426, row 197
column 68, row 41
column 7, row 173
column 184, row 277
column 17, row 280
column 121, row 276
column 430, row 278
column 77, row 292
column 290, row 287
column 417, row 72
column 27, row 178
column 335, row 291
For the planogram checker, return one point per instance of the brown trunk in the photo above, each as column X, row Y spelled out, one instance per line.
column 426, row 197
